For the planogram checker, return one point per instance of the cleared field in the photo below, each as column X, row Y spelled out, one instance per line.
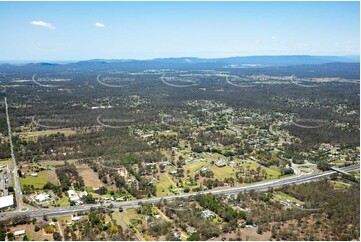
column 194, row 166
column 33, row 135
column 30, row 233
column 91, row 179
column 39, row 181
column 271, row 173
column 55, row 163
column 222, row 172
column 163, row 185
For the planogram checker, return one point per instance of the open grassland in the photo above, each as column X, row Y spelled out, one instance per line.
column 30, row 233
column 34, row 135
column 163, row 185
column 56, row 163
column 39, row 181
column 222, row 172
column 91, row 179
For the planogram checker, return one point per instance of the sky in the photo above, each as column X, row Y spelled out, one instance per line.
column 145, row 30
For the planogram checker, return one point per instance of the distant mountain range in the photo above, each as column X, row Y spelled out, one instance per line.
column 185, row 63
column 262, row 60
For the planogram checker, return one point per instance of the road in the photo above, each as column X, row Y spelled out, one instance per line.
column 17, row 187
column 135, row 203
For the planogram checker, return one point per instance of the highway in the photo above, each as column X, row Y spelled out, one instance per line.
column 134, row 203
column 17, row 187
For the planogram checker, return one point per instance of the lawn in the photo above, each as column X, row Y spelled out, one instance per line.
column 64, row 201
column 39, row 181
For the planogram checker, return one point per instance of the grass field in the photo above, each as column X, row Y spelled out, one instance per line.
column 33, row 135
column 222, row 172
column 91, row 179
column 64, row 201
column 271, row 173
column 55, row 163
column 194, row 166
column 163, row 185
column 39, row 181
column 30, row 232
column 2, row 162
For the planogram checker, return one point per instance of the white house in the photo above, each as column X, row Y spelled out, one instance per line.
column 42, row 197
column 19, row 232
column 73, row 196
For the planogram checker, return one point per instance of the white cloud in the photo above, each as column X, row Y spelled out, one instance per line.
column 42, row 24
column 273, row 37
column 99, row 25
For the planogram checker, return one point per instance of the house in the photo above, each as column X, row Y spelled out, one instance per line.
column 221, row 163
column 19, row 232
column 241, row 222
column 173, row 172
column 8, row 179
column 191, row 230
column 207, row 213
column 204, row 169
column 75, row 218
column 42, row 197
column 177, row 236
column 73, row 196
column 82, row 194
column 6, row 202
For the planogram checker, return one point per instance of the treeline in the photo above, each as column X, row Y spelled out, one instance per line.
column 68, row 176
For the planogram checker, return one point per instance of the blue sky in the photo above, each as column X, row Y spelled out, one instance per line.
column 143, row 30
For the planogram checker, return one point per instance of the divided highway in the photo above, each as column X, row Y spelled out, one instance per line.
column 135, row 203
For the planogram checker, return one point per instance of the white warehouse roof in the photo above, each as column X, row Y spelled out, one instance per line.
column 6, row 201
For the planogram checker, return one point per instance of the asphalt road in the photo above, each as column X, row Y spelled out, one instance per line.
column 134, row 203
column 17, row 188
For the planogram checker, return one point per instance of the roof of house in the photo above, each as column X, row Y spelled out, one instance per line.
column 207, row 213
column 19, row 232
column 6, row 201
column 42, row 197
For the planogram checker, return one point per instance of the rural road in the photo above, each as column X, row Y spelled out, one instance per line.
column 17, row 188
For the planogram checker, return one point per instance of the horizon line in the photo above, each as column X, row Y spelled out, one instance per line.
column 169, row 57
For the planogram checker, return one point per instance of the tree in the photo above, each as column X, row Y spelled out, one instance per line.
column 194, row 237
column 36, row 228
column 57, row 236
